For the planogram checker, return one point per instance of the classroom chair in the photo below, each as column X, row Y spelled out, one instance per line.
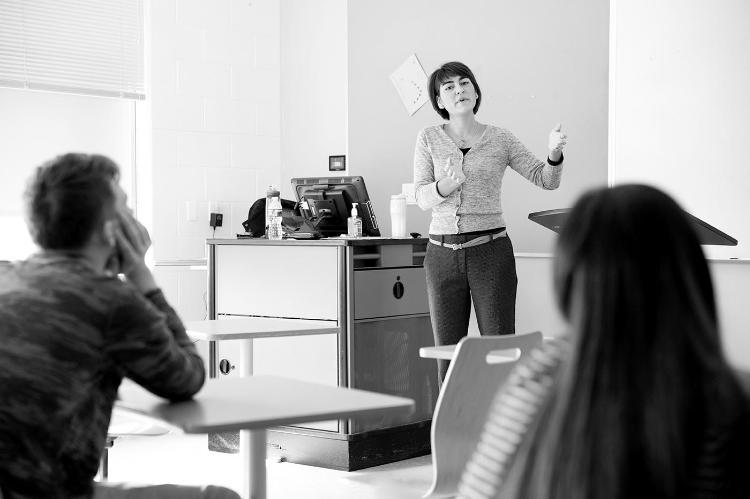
column 465, row 398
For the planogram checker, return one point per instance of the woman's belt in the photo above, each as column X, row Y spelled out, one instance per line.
column 473, row 242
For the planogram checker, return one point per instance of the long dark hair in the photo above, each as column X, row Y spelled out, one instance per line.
column 647, row 377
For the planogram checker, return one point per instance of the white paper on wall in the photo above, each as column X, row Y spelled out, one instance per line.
column 410, row 81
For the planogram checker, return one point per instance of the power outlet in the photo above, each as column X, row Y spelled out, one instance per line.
column 215, row 220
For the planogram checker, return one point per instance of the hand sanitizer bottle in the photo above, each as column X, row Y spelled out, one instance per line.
column 354, row 223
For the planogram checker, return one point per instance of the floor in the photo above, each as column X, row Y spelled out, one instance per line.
column 178, row 458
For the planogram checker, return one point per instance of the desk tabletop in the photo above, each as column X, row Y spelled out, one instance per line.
column 256, row 327
column 258, row 402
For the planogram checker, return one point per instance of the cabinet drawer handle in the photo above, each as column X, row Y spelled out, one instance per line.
column 225, row 366
column 398, row 288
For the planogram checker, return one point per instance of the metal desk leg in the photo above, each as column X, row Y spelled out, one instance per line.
column 253, row 452
column 213, row 360
column 246, row 358
column 252, row 442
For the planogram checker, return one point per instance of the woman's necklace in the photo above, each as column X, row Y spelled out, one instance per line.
column 464, row 141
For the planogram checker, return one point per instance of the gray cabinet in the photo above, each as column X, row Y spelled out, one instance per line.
column 374, row 290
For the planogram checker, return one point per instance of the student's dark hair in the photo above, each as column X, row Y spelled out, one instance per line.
column 68, row 197
column 441, row 75
column 647, row 379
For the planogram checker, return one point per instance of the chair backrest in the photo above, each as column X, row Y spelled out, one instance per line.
column 461, row 411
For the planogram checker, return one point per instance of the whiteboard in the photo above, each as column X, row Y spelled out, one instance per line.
column 680, row 107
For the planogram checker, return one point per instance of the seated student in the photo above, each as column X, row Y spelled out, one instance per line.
column 637, row 399
column 70, row 331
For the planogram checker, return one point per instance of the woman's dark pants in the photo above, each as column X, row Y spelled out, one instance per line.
column 485, row 273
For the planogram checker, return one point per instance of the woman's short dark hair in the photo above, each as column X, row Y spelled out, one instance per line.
column 647, row 378
column 68, row 197
column 441, row 75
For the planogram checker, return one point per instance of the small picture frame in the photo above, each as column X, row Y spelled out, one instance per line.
column 337, row 163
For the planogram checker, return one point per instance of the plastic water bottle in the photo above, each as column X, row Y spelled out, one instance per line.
column 273, row 208
column 275, row 230
column 398, row 216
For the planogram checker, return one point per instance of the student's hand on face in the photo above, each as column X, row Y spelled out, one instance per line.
column 455, row 173
column 132, row 239
column 133, row 242
column 113, row 267
column 114, row 264
column 557, row 139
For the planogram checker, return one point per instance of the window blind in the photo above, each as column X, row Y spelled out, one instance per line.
column 91, row 47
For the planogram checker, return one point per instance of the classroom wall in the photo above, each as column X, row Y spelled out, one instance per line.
column 731, row 281
column 214, row 93
column 392, row 133
column 680, row 107
column 537, row 62
column 679, row 74
column 536, row 309
column 217, row 97
column 535, row 302
column 313, row 88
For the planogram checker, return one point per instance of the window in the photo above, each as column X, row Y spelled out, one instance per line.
column 92, row 47
column 72, row 72
column 38, row 126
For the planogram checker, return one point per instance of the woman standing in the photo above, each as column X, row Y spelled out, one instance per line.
column 458, row 173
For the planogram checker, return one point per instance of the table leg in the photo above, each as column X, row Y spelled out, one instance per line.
column 246, row 358
column 253, row 454
column 213, row 360
column 252, row 442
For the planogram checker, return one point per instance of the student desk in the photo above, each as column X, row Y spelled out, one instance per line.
column 252, row 404
column 244, row 330
column 247, row 329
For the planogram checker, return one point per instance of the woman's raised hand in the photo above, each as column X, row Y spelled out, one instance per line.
column 557, row 139
column 455, row 173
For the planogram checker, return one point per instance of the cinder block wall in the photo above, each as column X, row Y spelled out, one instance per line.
column 214, row 80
